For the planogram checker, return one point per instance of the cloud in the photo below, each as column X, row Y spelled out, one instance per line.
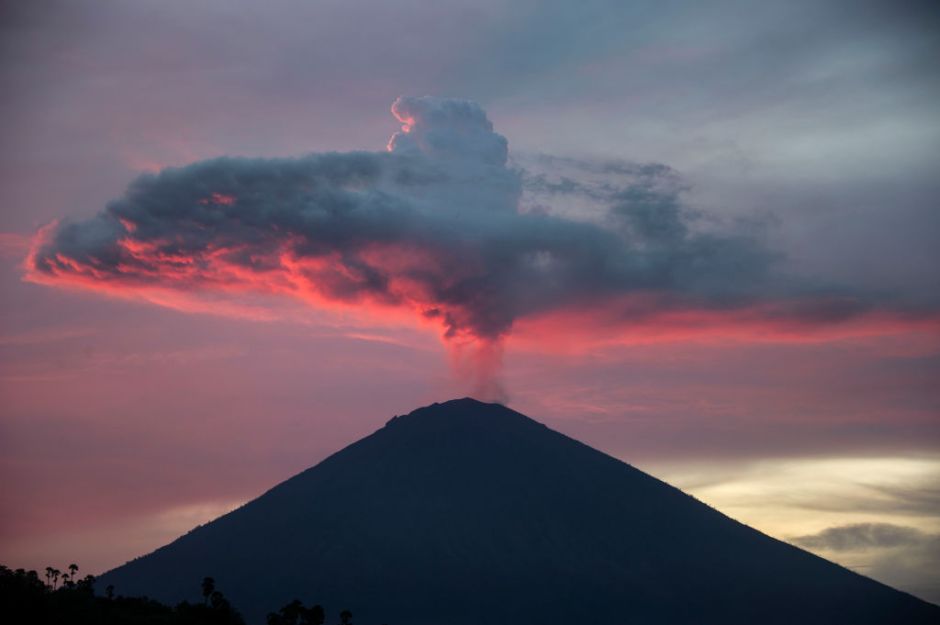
column 448, row 129
column 861, row 536
column 913, row 567
column 913, row 499
column 439, row 226
column 902, row 556
column 882, row 522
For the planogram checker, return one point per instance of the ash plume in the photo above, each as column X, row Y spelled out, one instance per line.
column 440, row 224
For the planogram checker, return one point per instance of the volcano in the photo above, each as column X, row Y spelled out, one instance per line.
column 467, row 513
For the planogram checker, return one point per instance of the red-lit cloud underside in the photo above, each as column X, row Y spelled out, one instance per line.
column 194, row 283
column 431, row 231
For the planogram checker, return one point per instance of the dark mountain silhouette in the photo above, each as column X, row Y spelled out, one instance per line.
column 465, row 513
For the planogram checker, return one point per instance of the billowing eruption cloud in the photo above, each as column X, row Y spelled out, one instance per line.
column 439, row 224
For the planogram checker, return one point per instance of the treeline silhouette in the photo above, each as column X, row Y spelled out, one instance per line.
column 59, row 597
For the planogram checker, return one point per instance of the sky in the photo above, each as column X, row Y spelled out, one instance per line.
column 703, row 238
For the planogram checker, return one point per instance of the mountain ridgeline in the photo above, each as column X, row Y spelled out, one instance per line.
column 466, row 513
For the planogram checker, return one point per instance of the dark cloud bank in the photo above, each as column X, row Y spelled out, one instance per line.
column 441, row 224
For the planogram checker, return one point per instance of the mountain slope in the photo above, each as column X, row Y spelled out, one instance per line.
column 471, row 513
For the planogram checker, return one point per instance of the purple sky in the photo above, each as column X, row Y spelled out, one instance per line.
column 808, row 129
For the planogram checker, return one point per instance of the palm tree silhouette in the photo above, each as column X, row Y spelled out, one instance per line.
column 49, row 570
column 73, row 569
column 55, row 578
column 345, row 617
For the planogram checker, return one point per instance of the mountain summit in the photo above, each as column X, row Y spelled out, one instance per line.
column 466, row 513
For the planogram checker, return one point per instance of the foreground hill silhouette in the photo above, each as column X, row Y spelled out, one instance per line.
column 465, row 513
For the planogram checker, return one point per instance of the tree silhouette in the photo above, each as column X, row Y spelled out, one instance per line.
column 86, row 583
column 215, row 610
column 314, row 616
column 294, row 613
column 24, row 598
column 208, row 587
column 288, row 614
column 217, row 600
